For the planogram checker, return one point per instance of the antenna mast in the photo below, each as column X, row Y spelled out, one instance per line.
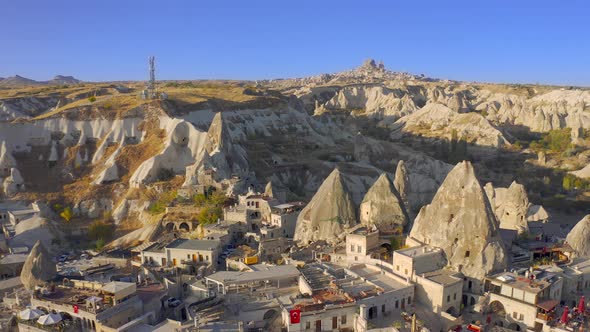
column 152, row 81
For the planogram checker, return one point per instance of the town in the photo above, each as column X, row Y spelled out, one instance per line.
column 272, row 265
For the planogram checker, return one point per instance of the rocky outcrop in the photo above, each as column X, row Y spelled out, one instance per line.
column 7, row 161
column 328, row 214
column 461, row 222
column 382, row 207
column 583, row 173
column 185, row 145
column 440, row 121
column 579, row 238
column 401, row 183
column 13, row 183
column 374, row 101
column 38, row 268
column 537, row 213
column 511, row 206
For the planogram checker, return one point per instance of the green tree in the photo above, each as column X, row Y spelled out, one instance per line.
column 100, row 243
column 209, row 215
column 66, row 214
column 100, row 230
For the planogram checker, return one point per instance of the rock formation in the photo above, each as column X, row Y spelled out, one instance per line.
column 382, row 207
column 401, row 182
column 38, row 268
column 462, row 223
column 583, row 173
column 438, row 120
column 329, row 212
column 7, row 161
column 511, row 206
column 13, row 183
column 579, row 238
column 537, row 213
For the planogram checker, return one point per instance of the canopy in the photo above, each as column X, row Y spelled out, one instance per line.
column 49, row 319
column 548, row 305
column 564, row 317
column 29, row 314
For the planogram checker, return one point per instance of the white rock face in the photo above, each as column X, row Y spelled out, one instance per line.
column 511, row 206
column 328, row 214
column 53, row 153
column 579, row 238
column 185, row 145
column 461, row 222
column 221, row 159
column 537, row 213
column 439, row 119
column 7, row 161
column 14, row 183
column 93, row 208
column 583, row 173
column 38, row 268
column 382, row 207
column 376, row 101
column 401, row 182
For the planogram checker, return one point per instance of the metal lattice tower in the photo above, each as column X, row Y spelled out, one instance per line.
column 152, row 82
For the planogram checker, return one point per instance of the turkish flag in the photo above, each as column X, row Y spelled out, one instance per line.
column 75, row 309
column 295, row 316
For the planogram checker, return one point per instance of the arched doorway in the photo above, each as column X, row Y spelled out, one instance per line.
column 184, row 227
column 170, row 227
column 514, row 327
column 497, row 309
column 269, row 314
column 452, row 311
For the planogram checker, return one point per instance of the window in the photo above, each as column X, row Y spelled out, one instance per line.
column 514, row 315
column 334, row 322
column 356, row 258
column 455, row 296
column 396, row 304
column 409, row 300
column 352, row 247
column 397, row 267
column 448, row 298
column 383, row 308
column 358, row 248
column 343, row 319
column 467, row 253
column 188, row 256
column 470, row 284
column 406, row 271
column 521, row 317
column 307, row 325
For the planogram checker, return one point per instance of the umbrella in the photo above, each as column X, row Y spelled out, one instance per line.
column 29, row 314
column 49, row 319
column 582, row 304
column 564, row 316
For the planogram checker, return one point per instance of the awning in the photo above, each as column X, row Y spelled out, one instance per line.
column 548, row 305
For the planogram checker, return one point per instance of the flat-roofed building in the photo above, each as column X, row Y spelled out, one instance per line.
column 525, row 300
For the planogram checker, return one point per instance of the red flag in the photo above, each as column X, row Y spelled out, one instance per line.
column 295, row 316
column 75, row 309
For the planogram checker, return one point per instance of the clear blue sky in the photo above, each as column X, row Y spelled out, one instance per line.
column 499, row 40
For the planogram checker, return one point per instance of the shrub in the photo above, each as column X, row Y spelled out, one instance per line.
column 100, row 230
column 92, row 99
column 66, row 214
column 100, row 243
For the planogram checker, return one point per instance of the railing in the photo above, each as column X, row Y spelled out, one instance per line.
column 545, row 317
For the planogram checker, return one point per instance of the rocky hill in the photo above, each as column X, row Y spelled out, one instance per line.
column 461, row 207
column 101, row 150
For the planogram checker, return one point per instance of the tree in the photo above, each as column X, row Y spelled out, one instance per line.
column 100, row 243
column 100, row 230
column 209, row 215
column 66, row 214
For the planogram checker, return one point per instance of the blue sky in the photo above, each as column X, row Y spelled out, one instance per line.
column 495, row 41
